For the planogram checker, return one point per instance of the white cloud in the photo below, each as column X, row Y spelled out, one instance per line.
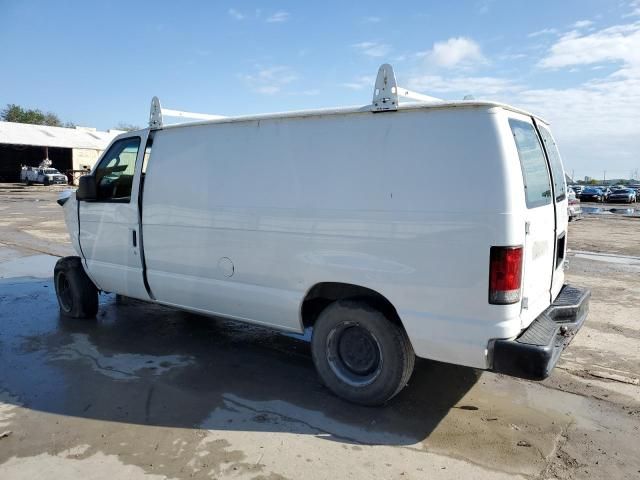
column 269, row 80
column 364, row 81
column 479, row 87
column 278, row 17
column 312, row 92
column 597, row 123
column 582, row 24
column 619, row 43
column 635, row 8
column 484, row 6
column 512, row 56
column 544, row 31
column 372, row 49
column 235, row 14
column 457, row 51
column 372, row 19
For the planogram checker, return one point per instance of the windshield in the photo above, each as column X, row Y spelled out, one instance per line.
column 51, row 171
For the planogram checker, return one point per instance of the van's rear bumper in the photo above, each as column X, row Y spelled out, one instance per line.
column 534, row 353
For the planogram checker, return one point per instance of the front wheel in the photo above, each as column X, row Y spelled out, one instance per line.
column 360, row 354
column 77, row 295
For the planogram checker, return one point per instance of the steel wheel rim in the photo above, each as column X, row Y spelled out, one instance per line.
column 354, row 354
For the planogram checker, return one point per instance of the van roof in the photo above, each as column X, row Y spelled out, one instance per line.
column 464, row 104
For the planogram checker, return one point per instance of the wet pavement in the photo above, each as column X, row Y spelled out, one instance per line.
column 140, row 366
column 631, row 210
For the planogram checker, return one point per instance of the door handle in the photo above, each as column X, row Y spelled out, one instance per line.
column 135, row 239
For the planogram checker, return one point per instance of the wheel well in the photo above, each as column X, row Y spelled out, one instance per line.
column 325, row 293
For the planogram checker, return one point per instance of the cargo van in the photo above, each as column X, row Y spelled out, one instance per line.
column 340, row 222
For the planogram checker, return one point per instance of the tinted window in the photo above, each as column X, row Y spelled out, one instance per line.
column 537, row 185
column 114, row 175
column 557, row 171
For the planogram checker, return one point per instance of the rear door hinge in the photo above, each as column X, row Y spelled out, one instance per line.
column 525, row 303
column 527, row 228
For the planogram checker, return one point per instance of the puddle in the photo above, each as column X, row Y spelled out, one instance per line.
column 121, row 366
column 631, row 262
column 628, row 211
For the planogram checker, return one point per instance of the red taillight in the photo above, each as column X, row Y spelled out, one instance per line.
column 505, row 275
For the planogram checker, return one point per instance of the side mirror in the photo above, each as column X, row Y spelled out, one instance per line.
column 87, row 188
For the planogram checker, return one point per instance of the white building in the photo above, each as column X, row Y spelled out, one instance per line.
column 67, row 148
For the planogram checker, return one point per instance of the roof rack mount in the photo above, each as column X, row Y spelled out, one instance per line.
column 157, row 114
column 386, row 92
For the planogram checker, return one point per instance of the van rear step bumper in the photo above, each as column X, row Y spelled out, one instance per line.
column 534, row 353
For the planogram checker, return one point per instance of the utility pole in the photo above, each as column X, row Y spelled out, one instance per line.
column 604, row 179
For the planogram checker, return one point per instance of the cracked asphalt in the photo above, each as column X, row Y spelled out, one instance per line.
column 149, row 392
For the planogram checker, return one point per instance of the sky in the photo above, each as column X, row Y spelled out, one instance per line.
column 575, row 63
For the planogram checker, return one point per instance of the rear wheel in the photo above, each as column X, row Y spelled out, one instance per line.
column 77, row 295
column 361, row 355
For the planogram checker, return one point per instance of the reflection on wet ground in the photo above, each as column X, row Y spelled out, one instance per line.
column 140, row 367
column 148, row 364
column 627, row 211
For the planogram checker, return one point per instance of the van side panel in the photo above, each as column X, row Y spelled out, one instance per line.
column 241, row 219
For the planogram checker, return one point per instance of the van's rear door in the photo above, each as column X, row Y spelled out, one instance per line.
column 540, row 219
column 561, row 203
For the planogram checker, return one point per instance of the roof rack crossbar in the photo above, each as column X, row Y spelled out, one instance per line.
column 157, row 114
column 387, row 91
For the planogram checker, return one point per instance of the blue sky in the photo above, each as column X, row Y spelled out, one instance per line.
column 576, row 63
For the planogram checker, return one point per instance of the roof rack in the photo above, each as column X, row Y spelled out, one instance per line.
column 386, row 92
column 157, row 114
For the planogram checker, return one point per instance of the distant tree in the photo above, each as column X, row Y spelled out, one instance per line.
column 127, row 127
column 15, row 113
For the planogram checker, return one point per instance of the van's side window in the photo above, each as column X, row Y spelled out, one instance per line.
column 114, row 175
column 534, row 165
column 556, row 164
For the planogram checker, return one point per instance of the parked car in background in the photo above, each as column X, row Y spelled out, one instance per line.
column 574, row 210
column 46, row 176
column 606, row 190
column 592, row 194
column 577, row 189
column 627, row 195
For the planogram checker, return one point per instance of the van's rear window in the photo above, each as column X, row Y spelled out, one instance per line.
column 559, row 186
column 537, row 184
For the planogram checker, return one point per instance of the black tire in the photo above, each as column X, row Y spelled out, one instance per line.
column 383, row 357
column 77, row 295
column 45, row 182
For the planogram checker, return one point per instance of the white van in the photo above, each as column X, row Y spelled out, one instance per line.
column 342, row 221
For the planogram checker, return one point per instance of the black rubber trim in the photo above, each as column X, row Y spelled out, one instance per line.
column 143, row 259
column 535, row 352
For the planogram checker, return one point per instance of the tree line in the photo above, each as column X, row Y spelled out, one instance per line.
column 35, row 116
